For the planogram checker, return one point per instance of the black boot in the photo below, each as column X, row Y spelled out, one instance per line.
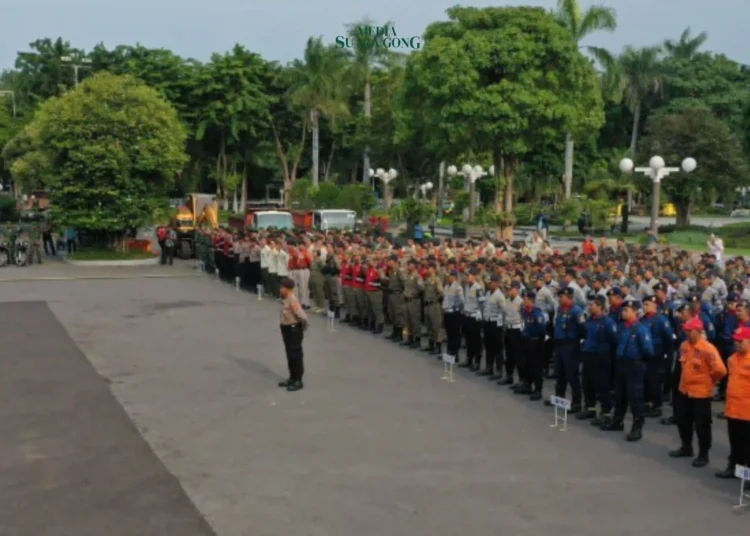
column 654, row 413
column 701, row 460
column 535, row 396
column 636, row 431
column 486, row 372
column 393, row 335
column 726, row 473
column 415, row 343
column 668, row 421
column 408, row 341
column 525, row 389
column 378, row 329
column 337, row 313
column 685, row 451
column 399, row 336
column 601, row 419
column 613, row 425
column 430, row 347
column 586, row 414
column 347, row 319
column 575, row 407
column 437, row 350
column 506, row 381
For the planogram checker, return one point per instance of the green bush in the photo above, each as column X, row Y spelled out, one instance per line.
column 8, row 210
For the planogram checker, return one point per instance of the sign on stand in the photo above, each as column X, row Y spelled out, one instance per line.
column 743, row 473
column 237, row 283
column 448, row 362
column 560, row 404
column 331, row 320
column 259, row 288
column 216, row 272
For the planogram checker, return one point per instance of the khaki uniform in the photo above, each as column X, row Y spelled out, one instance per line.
column 413, row 286
column 396, row 303
column 433, row 295
column 317, row 283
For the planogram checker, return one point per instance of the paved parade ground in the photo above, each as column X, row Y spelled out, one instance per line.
column 376, row 444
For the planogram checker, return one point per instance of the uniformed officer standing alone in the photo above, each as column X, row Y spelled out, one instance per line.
column 293, row 325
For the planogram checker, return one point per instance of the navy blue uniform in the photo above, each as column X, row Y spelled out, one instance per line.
column 634, row 348
column 533, row 333
column 729, row 324
column 662, row 337
column 569, row 330
column 599, row 341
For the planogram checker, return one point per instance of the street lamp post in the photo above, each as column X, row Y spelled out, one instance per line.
column 471, row 174
column 424, row 188
column 386, row 177
column 656, row 171
column 85, row 63
column 12, row 99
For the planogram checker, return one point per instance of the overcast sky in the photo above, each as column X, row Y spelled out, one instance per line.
column 278, row 29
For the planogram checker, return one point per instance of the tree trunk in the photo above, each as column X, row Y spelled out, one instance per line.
column 508, row 173
column 441, row 189
column 366, row 156
column 497, row 160
column 315, row 147
column 243, row 198
column 327, row 171
column 235, row 203
column 683, row 212
column 633, row 145
column 568, row 177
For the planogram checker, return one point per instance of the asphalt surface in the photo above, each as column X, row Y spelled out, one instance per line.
column 375, row 444
column 71, row 462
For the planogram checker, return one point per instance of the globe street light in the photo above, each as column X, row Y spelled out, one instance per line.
column 471, row 174
column 386, row 177
column 656, row 171
column 424, row 188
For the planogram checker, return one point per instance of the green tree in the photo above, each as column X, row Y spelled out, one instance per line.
column 696, row 133
column 503, row 81
column 687, row 46
column 580, row 24
column 116, row 146
column 319, row 88
column 42, row 73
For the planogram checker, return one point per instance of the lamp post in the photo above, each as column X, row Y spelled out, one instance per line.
column 82, row 63
column 12, row 99
column 656, row 171
column 386, row 177
column 424, row 188
column 471, row 174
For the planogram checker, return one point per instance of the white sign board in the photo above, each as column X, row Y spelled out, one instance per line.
column 559, row 402
column 331, row 315
column 449, row 359
column 742, row 472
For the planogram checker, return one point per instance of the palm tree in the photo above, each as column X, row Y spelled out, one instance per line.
column 580, row 24
column 687, row 46
column 366, row 58
column 636, row 75
column 318, row 87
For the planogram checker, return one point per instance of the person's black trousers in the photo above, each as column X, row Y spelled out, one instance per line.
column 453, row 332
column 533, row 349
column 493, row 345
column 170, row 255
column 253, row 276
column 72, row 247
column 162, row 252
column 739, row 442
column 514, row 355
column 473, row 334
column 629, row 388
column 656, row 369
column 693, row 414
column 47, row 239
column 600, row 367
column 292, row 337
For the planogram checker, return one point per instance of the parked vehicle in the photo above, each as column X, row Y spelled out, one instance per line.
column 198, row 210
column 325, row 219
column 262, row 218
column 4, row 253
column 22, row 252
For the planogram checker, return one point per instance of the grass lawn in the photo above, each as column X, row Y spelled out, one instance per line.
column 696, row 241
column 109, row 255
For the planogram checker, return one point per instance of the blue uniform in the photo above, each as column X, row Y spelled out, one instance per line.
column 662, row 338
column 532, row 341
column 600, row 339
column 634, row 348
column 570, row 328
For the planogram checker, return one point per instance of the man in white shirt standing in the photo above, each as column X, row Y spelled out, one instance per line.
column 265, row 259
column 282, row 262
column 273, row 270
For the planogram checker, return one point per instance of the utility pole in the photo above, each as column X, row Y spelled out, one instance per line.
column 85, row 63
column 12, row 99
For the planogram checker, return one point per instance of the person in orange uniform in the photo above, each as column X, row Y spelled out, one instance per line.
column 737, row 408
column 346, row 288
column 702, row 368
column 374, row 293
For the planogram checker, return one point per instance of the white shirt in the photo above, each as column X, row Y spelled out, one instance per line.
column 282, row 263
column 273, row 262
column 265, row 256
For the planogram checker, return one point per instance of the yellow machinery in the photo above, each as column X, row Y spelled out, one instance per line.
column 199, row 210
column 667, row 210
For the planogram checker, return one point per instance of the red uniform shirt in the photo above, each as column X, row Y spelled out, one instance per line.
column 372, row 280
column 228, row 246
column 346, row 274
column 304, row 259
column 358, row 276
column 291, row 264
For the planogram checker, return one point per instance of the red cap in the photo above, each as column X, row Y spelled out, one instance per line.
column 742, row 334
column 693, row 323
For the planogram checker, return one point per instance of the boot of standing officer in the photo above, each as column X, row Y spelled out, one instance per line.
column 702, row 368
column 737, row 409
column 634, row 348
column 293, row 325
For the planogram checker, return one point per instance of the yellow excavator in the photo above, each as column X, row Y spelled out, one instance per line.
column 199, row 210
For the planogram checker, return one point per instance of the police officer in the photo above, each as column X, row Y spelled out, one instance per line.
column 515, row 358
column 433, row 295
column 532, row 346
column 413, row 286
column 492, row 330
column 293, row 324
column 600, row 338
column 729, row 324
column 472, row 318
column 396, row 303
column 569, row 330
column 662, row 338
column 634, row 348
column 453, row 303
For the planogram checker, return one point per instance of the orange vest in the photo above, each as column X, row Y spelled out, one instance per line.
column 738, row 387
column 702, row 368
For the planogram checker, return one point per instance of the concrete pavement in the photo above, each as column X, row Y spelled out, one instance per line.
column 376, row 443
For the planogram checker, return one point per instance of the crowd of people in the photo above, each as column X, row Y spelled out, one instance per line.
column 610, row 327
